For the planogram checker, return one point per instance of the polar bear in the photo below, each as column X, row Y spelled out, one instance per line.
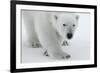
column 50, row 30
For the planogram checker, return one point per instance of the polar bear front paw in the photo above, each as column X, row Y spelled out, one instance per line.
column 36, row 45
column 65, row 43
column 61, row 55
column 66, row 57
column 57, row 55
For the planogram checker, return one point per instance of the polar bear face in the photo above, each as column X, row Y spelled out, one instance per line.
column 66, row 24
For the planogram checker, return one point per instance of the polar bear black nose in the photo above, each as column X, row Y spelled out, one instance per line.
column 69, row 35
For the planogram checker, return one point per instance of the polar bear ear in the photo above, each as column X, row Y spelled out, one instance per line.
column 77, row 17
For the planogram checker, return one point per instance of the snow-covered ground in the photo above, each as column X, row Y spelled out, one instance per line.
column 79, row 48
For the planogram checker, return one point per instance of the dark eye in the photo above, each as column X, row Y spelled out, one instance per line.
column 73, row 25
column 64, row 25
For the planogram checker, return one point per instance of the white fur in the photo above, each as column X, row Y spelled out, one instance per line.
column 46, row 29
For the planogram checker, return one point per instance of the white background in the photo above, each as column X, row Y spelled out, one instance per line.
column 5, row 36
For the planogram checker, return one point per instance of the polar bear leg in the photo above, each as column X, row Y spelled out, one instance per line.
column 28, row 23
column 50, row 42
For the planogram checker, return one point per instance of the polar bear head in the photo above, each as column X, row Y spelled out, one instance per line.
column 65, row 24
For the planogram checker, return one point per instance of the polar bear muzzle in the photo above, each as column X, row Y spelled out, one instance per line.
column 69, row 35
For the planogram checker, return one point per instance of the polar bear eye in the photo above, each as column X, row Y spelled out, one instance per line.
column 64, row 25
column 73, row 25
